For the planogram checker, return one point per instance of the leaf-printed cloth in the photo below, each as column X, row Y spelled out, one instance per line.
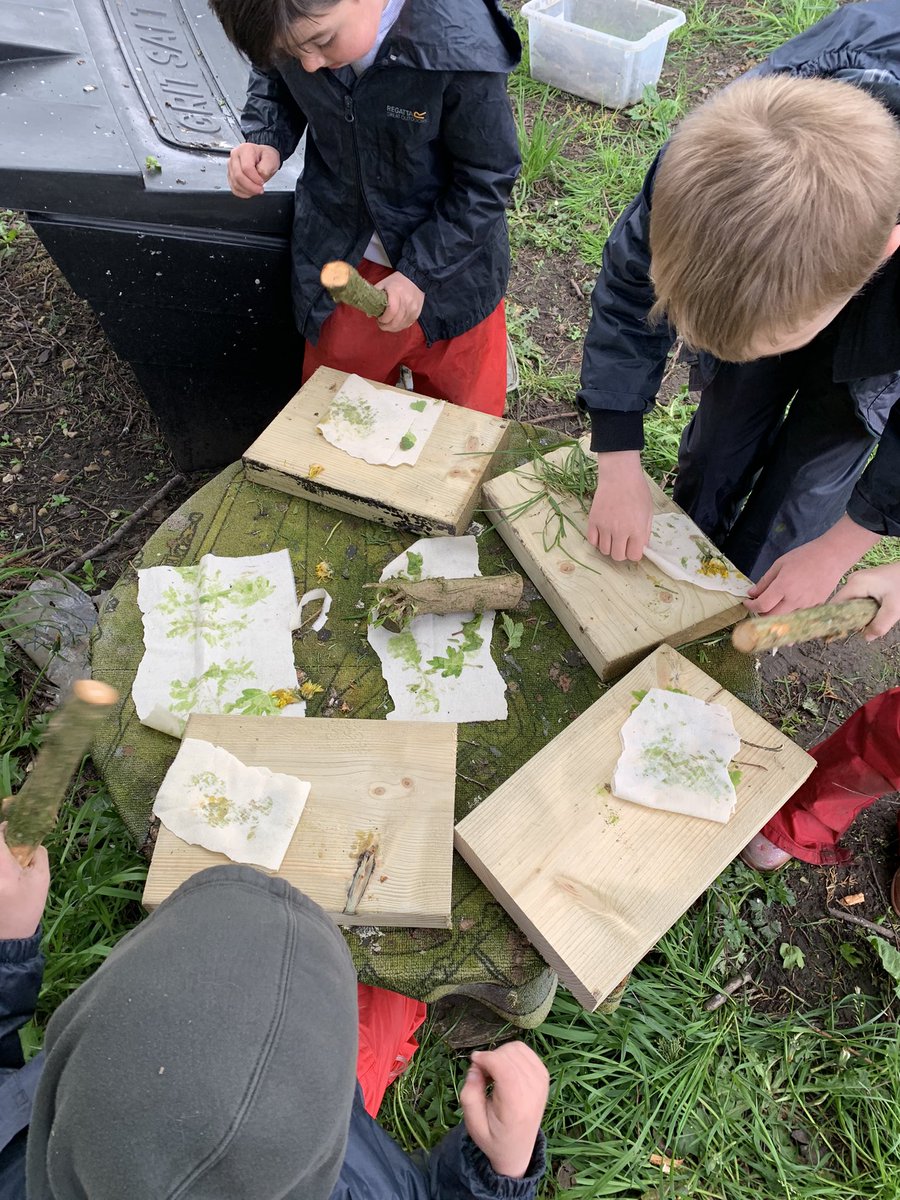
column 217, row 639
column 679, row 548
column 379, row 425
column 210, row 798
column 440, row 668
column 676, row 756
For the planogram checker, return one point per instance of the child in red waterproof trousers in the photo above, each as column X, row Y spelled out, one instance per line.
column 410, row 158
column 854, row 767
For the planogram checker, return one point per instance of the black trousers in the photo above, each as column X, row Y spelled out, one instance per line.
column 771, row 455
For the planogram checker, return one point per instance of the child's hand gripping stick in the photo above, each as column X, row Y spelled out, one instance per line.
column 825, row 620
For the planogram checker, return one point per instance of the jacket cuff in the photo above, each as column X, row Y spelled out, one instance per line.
column 260, row 137
column 503, row 1187
column 20, row 950
column 408, row 268
column 866, row 514
column 612, row 430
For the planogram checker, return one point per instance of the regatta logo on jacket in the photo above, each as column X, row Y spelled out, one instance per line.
column 406, row 114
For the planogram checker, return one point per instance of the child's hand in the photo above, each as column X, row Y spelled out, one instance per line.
column 808, row 574
column 883, row 585
column 23, row 891
column 505, row 1124
column 250, row 167
column 405, row 302
column 622, row 511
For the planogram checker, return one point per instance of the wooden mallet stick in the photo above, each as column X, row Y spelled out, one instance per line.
column 345, row 285
column 32, row 813
column 399, row 600
column 823, row 621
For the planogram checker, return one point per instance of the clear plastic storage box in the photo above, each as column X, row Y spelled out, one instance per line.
column 607, row 51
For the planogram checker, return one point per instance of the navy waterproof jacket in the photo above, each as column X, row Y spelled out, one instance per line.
column 374, row 1165
column 421, row 148
column 624, row 356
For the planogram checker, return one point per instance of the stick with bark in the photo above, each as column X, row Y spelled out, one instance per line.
column 345, row 285
column 32, row 813
column 825, row 620
column 397, row 601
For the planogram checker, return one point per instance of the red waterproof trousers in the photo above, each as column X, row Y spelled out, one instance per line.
column 387, row 1022
column 469, row 370
column 856, row 765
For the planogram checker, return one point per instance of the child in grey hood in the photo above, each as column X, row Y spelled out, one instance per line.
column 213, row 1057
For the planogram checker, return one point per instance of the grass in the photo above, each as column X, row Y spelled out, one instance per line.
column 96, row 872
column 804, row 1107
column 765, row 25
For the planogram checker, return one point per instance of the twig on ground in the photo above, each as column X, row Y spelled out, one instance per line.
column 553, row 417
column 138, row 515
column 871, row 925
column 727, row 991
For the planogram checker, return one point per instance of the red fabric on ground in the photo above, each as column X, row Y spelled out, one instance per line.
column 469, row 370
column 856, row 765
column 387, row 1022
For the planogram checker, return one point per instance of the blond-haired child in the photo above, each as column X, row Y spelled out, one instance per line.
column 764, row 236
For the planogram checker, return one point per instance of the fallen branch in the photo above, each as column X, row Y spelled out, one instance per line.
column 345, row 285
column 32, row 813
column 114, row 539
column 823, row 621
column 397, row 601
column 870, row 925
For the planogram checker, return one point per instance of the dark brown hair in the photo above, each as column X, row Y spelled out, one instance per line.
column 261, row 28
column 773, row 202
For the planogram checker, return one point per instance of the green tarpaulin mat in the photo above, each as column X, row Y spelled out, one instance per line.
column 483, row 956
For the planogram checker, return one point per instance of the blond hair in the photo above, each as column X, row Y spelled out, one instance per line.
column 773, row 202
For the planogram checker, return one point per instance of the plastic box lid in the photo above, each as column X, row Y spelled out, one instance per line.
column 95, row 93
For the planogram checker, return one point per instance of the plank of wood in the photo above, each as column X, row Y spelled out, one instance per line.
column 614, row 612
column 436, row 496
column 592, row 880
column 393, row 781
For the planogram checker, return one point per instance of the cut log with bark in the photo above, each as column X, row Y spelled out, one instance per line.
column 31, row 814
column 824, row 621
column 345, row 285
column 397, row 600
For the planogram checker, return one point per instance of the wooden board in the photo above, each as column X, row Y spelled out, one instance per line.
column 614, row 612
column 595, row 881
column 394, row 779
column 436, row 496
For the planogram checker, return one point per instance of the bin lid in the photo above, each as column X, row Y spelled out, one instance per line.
column 126, row 109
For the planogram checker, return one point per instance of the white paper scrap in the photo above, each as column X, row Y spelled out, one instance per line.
column 217, row 639
column 440, row 668
column 677, row 750
column 379, row 426
column 308, row 598
column 679, row 548
column 211, row 799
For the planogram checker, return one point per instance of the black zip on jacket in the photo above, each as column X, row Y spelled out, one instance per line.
column 421, row 148
column 624, row 356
